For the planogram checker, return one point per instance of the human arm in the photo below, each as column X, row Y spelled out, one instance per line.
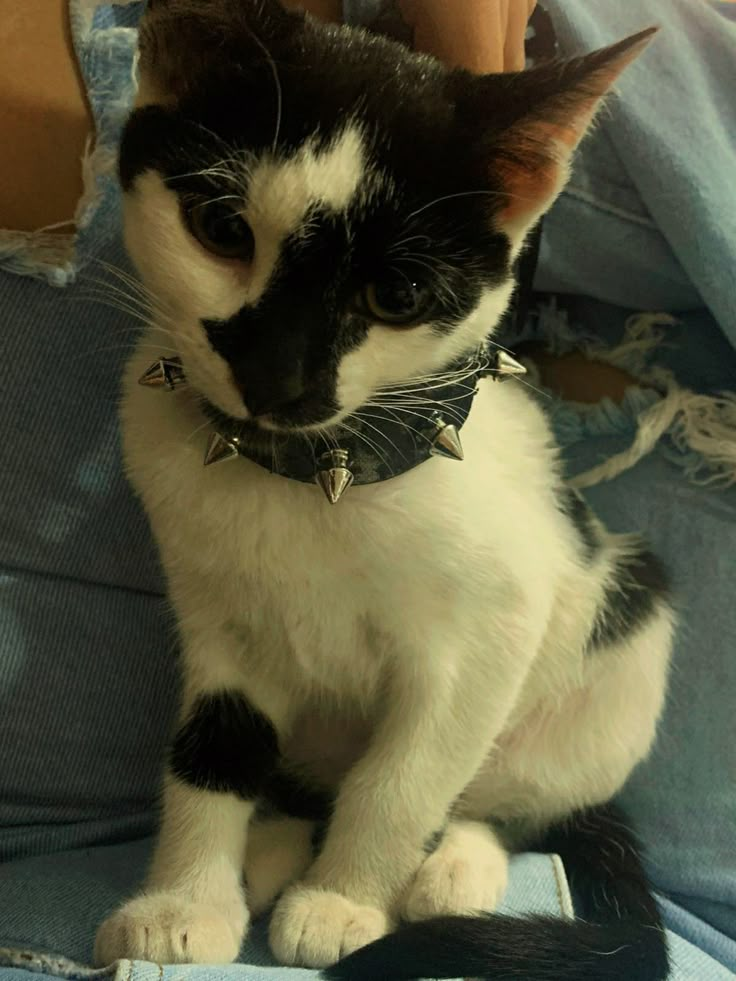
column 481, row 35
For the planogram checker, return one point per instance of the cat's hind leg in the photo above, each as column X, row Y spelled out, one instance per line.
column 468, row 872
column 279, row 852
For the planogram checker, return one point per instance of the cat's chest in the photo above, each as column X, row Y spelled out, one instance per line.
column 265, row 537
column 325, row 745
column 320, row 584
column 312, row 634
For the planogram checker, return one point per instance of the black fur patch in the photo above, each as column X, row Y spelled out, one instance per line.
column 433, row 842
column 639, row 584
column 287, row 793
column 429, row 223
column 226, row 746
column 574, row 506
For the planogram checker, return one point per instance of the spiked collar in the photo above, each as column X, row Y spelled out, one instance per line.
column 396, row 432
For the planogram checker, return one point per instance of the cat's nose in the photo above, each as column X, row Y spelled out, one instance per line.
column 266, row 395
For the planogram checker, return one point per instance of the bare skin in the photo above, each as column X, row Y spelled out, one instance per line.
column 330, row 10
column 481, row 35
column 44, row 118
column 46, row 122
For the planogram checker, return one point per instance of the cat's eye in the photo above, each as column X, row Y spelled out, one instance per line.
column 221, row 230
column 399, row 300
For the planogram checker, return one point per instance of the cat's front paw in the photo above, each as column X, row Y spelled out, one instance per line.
column 315, row 928
column 169, row 929
column 467, row 874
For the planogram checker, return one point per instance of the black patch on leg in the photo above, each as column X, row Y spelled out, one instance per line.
column 288, row 793
column 433, row 842
column 639, row 583
column 226, row 746
column 574, row 506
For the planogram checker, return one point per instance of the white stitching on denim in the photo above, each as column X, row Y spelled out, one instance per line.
column 593, row 201
column 564, row 896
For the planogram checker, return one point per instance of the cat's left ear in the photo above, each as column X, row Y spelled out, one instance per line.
column 536, row 119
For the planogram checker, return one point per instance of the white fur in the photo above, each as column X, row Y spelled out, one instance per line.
column 167, row 928
column 467, row 874
column 422, row 646
column 193, row 908
column 190, row 284
column 466, row 597
column 279, row 852
column 282, row 192
column 318, row 927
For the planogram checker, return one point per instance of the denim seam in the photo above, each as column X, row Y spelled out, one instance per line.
column 6, row 569
column 564, row 896
column 587, row 198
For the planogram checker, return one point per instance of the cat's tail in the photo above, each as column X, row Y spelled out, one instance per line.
column 619, row 933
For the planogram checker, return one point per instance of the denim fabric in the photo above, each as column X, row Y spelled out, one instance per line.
column 648, row 220
column 87, row 667
column 87, row 673
column 682, row 799
column 689, row 964
column 53, row 903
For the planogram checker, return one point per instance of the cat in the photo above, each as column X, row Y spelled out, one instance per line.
column 382, row 697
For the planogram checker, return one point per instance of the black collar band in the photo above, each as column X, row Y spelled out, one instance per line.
column 398, row 430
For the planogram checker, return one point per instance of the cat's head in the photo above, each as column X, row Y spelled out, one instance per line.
column 318, row 212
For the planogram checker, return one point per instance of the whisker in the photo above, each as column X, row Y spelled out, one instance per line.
column 125, row 277
column 539, row 391
column 368, row 442
column 432, row 377
column 116, row 297
column 467, row 194
column 222, row 197
column 362, row 418
column 114, row 304
column 452, row 197
column 459, row 383
column 198, row 430
column 411, row 238
column 279, row 90
column 431, row 382
column 439, row 407
column 155, row 349
column 396, row 420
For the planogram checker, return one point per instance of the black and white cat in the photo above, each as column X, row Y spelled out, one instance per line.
column 461, row 655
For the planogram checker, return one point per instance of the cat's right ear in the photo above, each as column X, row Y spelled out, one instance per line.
column 532, row 123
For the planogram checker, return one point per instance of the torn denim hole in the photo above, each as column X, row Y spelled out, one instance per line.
column 105, row 42
column 695, row 431
column 48, row 964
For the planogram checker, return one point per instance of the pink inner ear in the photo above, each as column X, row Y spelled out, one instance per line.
column 527, row 189
column 533, row 172
column 532, row 185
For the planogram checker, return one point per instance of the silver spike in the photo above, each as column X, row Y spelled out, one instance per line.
column 447, row 442
column 220, row 449
column 507, row 367
column 334, row 475
column 164, row 373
